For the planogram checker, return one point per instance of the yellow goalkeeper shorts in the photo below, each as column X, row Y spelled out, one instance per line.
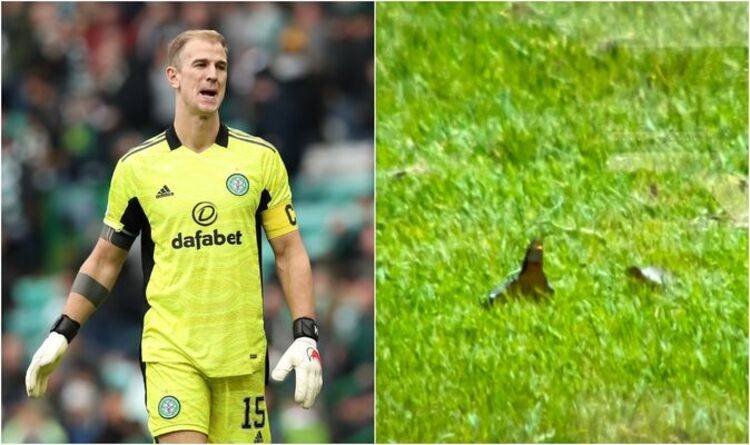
column 226, row 409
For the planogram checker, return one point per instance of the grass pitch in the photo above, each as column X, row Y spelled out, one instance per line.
column 618, row 132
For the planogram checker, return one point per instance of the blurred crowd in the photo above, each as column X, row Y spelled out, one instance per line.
column 84, row 82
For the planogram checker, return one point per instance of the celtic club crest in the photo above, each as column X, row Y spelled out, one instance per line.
column 169, row 407
column 238, row 184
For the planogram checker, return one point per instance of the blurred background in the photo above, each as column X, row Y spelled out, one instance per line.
column 84, row 82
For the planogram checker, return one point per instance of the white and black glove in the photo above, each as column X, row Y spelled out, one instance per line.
column 48, row 356
column 304, row 358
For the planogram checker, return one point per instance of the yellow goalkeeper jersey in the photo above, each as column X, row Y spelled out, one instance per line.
column 199, row 217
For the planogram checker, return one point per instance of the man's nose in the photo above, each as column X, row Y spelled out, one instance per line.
column 212, row 74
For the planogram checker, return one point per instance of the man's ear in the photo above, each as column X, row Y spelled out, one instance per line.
column 172, row 77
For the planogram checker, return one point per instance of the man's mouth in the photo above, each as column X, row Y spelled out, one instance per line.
column 208, row 93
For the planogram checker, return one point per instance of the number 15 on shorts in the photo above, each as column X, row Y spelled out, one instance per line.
column 255, row 412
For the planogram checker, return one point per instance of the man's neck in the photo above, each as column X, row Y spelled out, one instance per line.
column 196, row 132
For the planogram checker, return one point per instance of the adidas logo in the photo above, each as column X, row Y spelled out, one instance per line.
column 259, row 438
column 164, row 192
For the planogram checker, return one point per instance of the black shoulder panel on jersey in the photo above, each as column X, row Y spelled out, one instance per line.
column 147, row 253
column 136, row 217
column 252, row 141
column 265, row 198
column 133, row 218
column 144, row 146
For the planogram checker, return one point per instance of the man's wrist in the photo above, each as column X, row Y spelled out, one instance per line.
column 66, row 326
column 305, row 327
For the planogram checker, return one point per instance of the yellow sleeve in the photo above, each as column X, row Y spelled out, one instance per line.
column 278, row 217
column 123, row 209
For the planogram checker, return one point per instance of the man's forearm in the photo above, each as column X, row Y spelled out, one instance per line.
column 91, row 286
column 102, row 271
column 295, row 275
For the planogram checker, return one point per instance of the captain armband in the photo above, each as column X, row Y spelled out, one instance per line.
column 121, row 239
column 279, row 220
column 90, row 289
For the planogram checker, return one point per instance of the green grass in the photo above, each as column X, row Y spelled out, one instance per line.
column 497, row 124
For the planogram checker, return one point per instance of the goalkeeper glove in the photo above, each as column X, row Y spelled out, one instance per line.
column 48, row 356
column 304, row 358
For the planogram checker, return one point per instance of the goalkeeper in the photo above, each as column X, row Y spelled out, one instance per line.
column 198, row 194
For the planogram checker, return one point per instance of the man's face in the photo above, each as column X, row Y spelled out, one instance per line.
column 201, row 77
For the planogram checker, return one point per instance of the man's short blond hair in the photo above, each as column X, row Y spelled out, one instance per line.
column 175, row 46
